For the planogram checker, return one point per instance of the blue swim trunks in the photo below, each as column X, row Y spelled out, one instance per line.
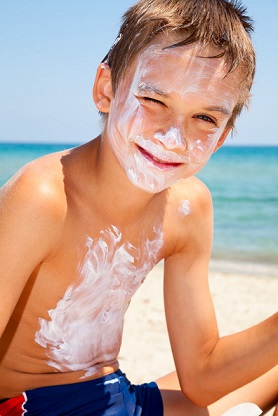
column 111, row 395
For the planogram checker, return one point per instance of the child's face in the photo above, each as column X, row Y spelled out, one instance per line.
column 169, row 114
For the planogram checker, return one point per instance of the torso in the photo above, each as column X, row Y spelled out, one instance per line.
column 67, row 325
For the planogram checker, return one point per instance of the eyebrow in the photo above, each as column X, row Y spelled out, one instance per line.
column 219, row 109
column 151, row 88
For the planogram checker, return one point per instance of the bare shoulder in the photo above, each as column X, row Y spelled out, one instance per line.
column 190, row 196
column 37, row 182
column 189, row 213
column 34, row 197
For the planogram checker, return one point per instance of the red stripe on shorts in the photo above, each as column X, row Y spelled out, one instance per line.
column 13, row 406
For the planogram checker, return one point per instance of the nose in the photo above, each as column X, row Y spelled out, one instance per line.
column 171, row 139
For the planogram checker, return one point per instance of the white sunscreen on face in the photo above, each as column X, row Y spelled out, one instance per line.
column 172, row 139
column 84, row 330
column 168, row 115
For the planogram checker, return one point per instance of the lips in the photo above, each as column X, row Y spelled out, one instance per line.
column 162, row 164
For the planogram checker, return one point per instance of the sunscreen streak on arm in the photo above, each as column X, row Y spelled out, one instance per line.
column 84, row 331
column 185, row 207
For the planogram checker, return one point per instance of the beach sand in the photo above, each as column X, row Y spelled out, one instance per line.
column 243, row 296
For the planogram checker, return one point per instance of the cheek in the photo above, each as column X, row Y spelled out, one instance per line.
column 123, row 110
column 199, row 151
column 128, row 118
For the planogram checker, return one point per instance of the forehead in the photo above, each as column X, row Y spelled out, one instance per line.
column 183, row 69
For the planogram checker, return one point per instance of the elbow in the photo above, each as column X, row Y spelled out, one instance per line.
column 201, row 393
column 198, row 398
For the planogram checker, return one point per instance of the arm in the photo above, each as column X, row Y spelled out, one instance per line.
column 209, row 367
column 28, row 230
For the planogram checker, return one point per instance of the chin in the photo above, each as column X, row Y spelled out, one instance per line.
column 151, row 184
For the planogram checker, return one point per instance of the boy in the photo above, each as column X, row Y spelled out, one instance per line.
column 81, row 229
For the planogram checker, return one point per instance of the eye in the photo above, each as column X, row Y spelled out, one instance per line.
column 147, row 99
column 206, row 118
column 152, row 100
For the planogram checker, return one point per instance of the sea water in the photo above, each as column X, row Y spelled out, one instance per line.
column 244, row 186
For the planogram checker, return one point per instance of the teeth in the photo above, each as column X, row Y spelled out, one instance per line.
column 150, row 148
column 166, row 162
column 158, row 160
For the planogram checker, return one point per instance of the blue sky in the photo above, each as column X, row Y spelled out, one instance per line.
column 49, row 54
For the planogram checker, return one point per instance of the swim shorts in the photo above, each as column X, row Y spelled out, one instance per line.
column 111, row 395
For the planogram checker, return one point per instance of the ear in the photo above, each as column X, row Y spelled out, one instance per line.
column 103, row 90
column 222, row 138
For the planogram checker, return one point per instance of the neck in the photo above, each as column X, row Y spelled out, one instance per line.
column 115, row 191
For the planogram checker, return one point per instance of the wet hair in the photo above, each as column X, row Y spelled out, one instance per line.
column 220, row 23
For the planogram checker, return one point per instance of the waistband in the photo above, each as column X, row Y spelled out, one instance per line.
column 111, row 383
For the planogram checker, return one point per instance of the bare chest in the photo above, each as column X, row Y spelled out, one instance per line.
column 81, row 296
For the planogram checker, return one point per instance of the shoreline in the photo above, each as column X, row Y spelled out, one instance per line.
column 245, row 268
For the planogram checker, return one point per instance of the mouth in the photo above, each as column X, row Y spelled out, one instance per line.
column 162, row 164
